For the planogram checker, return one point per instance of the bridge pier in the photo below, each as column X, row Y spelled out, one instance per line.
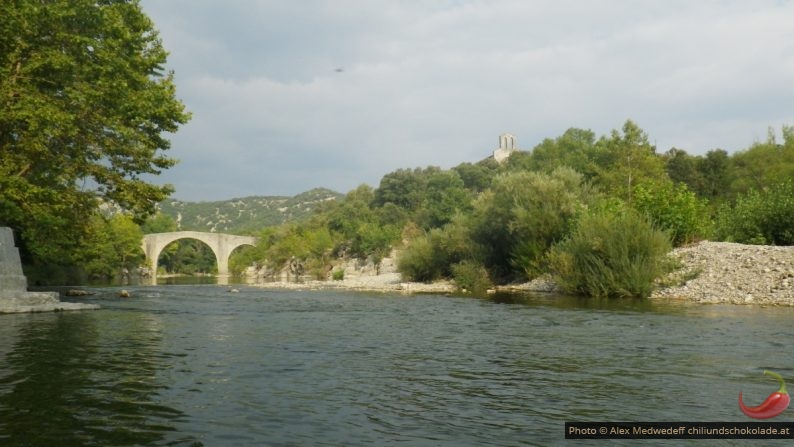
column 222, row 245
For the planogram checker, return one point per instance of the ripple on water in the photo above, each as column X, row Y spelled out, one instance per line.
column 198, row 366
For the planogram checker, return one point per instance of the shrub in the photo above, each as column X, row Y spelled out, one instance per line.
column 611, row 254
column 523, row 215
column 471, row 275
column 760, row 217
column 431, row 256
column 420, row 261
column 674, row 208
column 338, row 275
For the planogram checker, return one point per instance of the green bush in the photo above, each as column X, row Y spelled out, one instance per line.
column 338, row 275
column 611, row 254
column 523, row 215
column 759, row 217
column 674, row 208
column 471, row 275
column 420, row 261
column 431, row 256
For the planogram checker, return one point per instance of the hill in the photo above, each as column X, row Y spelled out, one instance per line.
column 243, row 215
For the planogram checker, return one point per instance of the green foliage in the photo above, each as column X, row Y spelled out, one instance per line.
column 421, row 261
column 674, row 208
column 363, row 231
column 573, row 149
column 472, row 276
column 338, row 275
column 760, row 217
column 159, row 223
column 611, row 255
column 523, row 215
column 430, row 196
column 476, row 177
column 444, row 196
column 625, row 160
column 242, row 258
column 430, row 256
column 374, row 241
column 189, row 257
column 715, row 169
column 764, row 164
column 84, row 100
column 403, row 187
column 115, row 247
column 684, row 168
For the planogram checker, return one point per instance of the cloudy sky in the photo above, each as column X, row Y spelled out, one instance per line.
column 291, row 95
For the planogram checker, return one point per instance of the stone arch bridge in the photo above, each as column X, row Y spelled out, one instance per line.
column 222, row 245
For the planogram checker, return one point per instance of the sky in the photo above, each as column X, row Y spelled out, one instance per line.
column 291, row 95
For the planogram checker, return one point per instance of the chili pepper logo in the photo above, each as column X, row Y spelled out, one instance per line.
column 772, row 406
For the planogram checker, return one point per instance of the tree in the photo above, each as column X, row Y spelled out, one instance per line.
column 476, row 177
column 760, row 216
column 573, row 149
column 444, row 195
column 683, row 168
column 764, row 164
column 522, row 215
column 159, row 223
column 674, row 208
column 403, row 187
column 114, row 248
column 715, row 169
column 623, row 161
column 84, row 104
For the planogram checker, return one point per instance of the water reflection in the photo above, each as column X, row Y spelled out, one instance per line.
column 581, row 302
column 72, row 379
column 184, row 365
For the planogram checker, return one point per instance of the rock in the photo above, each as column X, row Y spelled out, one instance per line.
column 78, row 292
column 124, row 294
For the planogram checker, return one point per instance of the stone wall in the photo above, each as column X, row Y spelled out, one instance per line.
column 14, row 296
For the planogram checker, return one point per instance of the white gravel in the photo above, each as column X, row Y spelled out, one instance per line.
column 733, row 273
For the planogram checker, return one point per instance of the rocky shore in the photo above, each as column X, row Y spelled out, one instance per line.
column 709, row 272
column 724, row 272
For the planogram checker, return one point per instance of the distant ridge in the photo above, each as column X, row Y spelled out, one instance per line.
column 246, row 214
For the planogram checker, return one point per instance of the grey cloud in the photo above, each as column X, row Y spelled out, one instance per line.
column 434, row 83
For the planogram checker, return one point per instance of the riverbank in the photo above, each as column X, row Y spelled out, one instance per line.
column 710, row 272
column 724, row 272
column 384, row 282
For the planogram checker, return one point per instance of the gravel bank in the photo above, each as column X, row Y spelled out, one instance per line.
column 711, row 272
column 385, row 282
column 725, row 272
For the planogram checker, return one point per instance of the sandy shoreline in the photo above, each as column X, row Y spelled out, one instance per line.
column 715, row 272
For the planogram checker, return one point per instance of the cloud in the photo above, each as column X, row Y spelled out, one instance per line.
column 435, row 83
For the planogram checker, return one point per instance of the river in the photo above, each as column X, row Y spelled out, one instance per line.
column 199, row 366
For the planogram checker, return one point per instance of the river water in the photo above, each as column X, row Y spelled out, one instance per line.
column 199, row 366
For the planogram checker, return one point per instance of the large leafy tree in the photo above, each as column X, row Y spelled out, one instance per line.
column 625, row 159
column 85, row 105
column 764, row 164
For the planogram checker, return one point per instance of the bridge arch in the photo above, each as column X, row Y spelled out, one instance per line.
column 222, row 245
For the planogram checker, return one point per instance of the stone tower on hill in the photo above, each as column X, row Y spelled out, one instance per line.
column 507, row 145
